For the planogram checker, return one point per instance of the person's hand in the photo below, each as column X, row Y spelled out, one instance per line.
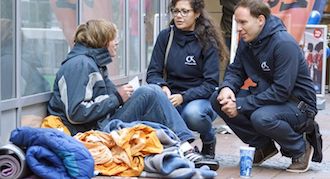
column 125, row 92
column 226, row 95
column 167, row 91
column 230, row 109
column 176, row 99
column 227, row 100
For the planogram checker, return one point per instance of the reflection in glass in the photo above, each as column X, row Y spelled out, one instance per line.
column 151, row 11
column 7, row 64
column 43, row 43
column 113, row 11
column 134, row 40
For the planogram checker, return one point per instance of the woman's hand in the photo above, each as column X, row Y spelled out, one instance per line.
column 125, row 92
column 176, row 99
column 167, row 91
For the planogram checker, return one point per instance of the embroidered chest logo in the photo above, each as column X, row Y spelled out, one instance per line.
column 264, row 66
column 190, row 61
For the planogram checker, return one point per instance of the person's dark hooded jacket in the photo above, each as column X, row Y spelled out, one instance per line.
column 275, row 62
column 83, row 93
column 192, row 70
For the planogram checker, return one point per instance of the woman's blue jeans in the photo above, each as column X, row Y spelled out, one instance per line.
column 149, row 103
column 199, row 115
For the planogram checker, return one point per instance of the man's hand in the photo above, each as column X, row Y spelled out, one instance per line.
column 176, row 99
column 227, row 100
column 230, row 109
column 226, row 95
column 125, row 92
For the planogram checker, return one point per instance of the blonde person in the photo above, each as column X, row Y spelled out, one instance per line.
column 85, row 98
column 192, row 67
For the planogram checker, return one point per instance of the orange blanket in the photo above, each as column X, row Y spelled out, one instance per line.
column 54, row 122
column 122, row 152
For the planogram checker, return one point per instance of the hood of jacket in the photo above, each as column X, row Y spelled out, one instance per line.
column 101, row 56
column 273, row 25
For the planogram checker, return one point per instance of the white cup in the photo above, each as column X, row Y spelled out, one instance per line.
column 246, row 161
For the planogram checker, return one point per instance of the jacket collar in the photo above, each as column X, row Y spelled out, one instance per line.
column 101, row 56
column 273, row 25
column 183, row 37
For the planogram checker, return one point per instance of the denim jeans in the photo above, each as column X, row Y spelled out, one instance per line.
column 149, row 103
column 271, row 122
column 199, row 115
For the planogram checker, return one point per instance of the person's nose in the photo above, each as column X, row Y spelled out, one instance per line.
column 239, row 27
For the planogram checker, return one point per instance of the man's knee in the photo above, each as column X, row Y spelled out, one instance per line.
column 262, row 121
column 149, row 89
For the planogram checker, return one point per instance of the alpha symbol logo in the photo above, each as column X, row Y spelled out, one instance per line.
column 190, row 60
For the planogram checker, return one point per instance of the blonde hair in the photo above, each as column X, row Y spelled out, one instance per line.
column 96, row 33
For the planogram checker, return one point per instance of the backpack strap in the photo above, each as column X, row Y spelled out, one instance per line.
column 169, row 43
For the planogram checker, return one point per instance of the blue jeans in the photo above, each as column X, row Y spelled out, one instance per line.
column 199, row 115
column 271, row 122
column 149, row 103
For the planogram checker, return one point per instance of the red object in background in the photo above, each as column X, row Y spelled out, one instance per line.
column 318, row 33
column 294, row 14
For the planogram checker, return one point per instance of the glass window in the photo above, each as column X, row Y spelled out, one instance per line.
column 133, row 37
column 151, row 19
column 46, row 31
column 7, row 49
column 113, row 11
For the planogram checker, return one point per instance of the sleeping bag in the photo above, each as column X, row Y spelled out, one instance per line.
column 51, row 153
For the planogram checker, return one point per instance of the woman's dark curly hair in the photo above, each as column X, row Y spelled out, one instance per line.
column 205, row 28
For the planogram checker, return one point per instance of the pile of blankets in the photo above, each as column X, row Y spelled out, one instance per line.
column 140, row 148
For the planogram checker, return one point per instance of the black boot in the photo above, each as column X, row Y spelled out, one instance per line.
column 208, row 150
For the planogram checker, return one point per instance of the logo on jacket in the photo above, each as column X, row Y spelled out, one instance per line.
column 190, row 60
column 264, row 66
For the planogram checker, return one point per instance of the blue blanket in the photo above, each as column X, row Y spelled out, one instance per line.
column 53, row 154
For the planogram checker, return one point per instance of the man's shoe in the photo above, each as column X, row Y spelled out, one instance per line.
column 263, row 154
column 301, row 164
column 208, row 150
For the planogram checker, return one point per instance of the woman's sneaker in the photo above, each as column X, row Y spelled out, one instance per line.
column 188, row 152
column 211, row 163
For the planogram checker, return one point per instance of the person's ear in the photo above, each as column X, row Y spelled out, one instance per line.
column 261, row 20
column 197, row 15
